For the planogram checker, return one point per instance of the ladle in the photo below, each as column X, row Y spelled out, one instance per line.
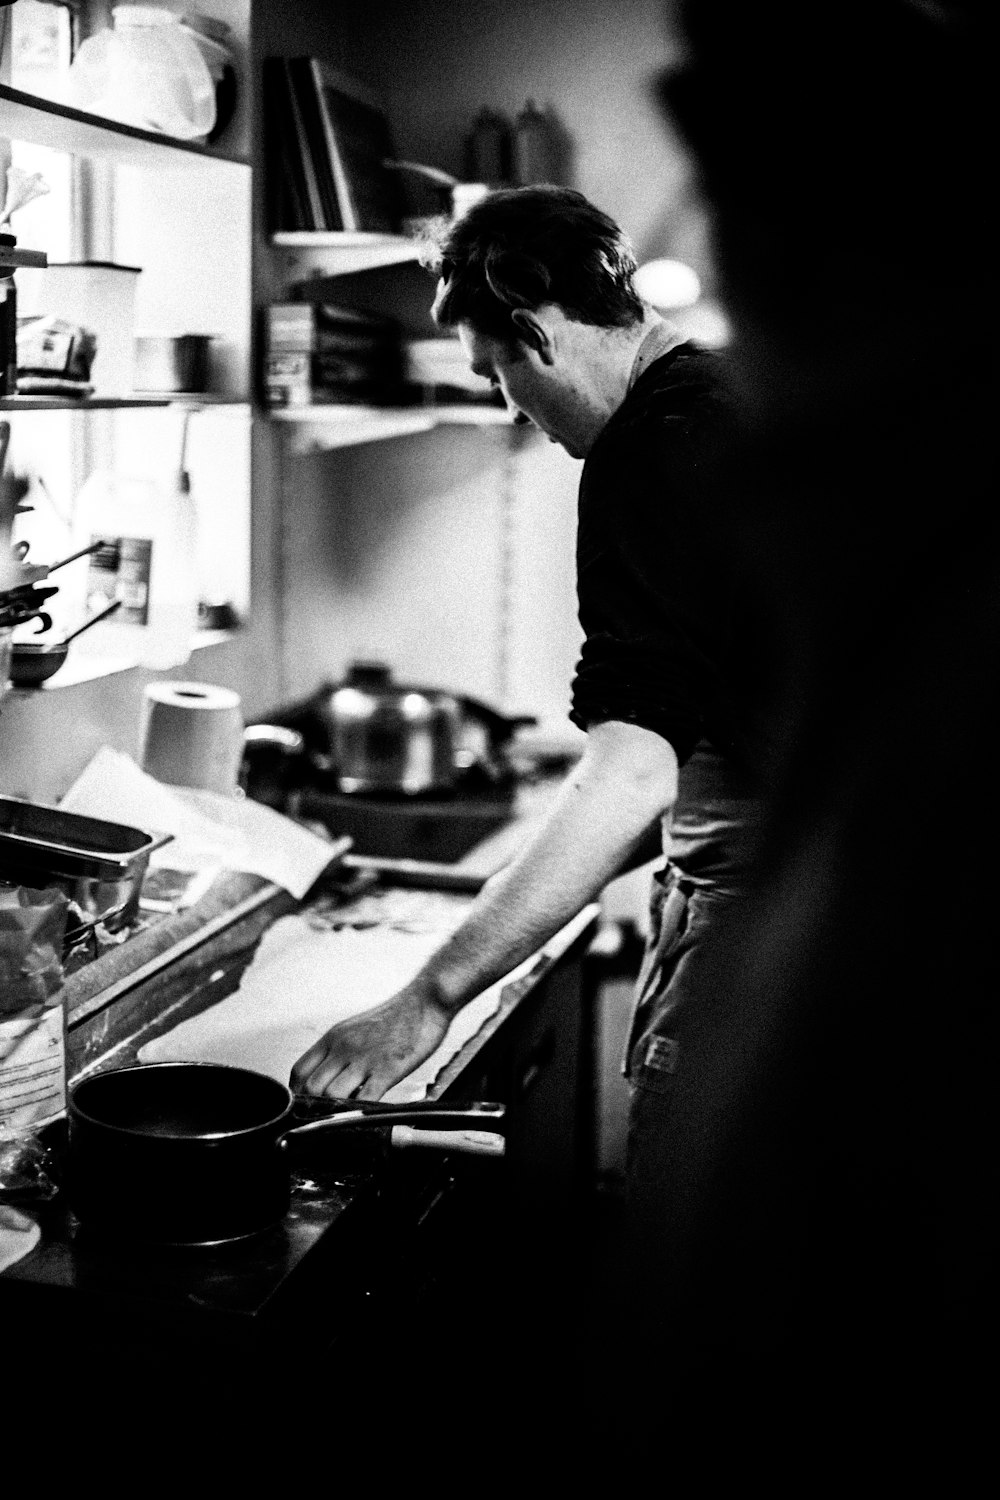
column 33, row 662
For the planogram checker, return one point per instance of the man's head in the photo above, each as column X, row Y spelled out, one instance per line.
column 524, row 247
column 539, row 284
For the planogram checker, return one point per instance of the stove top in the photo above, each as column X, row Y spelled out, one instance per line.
column 440, row 828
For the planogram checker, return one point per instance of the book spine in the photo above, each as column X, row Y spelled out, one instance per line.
column 287, row 204
column 345, row 200
column 316, row 212
column 303, row 91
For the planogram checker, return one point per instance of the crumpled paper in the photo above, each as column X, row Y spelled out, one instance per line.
column 210, row 831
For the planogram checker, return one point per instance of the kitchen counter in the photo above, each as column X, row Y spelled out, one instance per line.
column 359, row 1255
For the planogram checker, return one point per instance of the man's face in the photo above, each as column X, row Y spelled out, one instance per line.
column 535, row 390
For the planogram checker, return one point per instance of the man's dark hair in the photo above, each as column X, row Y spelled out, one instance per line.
column 522, row 247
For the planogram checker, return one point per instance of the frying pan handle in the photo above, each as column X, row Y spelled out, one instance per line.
column 430, row 1112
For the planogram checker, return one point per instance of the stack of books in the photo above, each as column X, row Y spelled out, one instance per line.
column 327, row 145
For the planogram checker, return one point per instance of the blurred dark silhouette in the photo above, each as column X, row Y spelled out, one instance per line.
column 822, row 1265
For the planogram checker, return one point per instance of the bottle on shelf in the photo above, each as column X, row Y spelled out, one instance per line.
column 489, row 148
column 533, row 150
column 148, row 560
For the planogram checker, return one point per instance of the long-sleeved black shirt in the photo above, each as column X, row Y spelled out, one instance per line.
column 669, row 640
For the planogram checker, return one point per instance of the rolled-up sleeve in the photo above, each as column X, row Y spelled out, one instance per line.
column 652, row 577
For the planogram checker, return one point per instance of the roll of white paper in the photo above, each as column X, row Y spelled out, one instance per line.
column 192, row 735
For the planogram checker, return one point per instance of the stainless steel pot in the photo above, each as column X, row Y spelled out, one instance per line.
column 371, row 735
column 198, row 1153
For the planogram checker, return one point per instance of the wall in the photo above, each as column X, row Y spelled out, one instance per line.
column 451, row 554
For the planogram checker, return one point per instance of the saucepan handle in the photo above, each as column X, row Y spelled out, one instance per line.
column 472, row 1142
column 352, row 1114
column 424, row 1122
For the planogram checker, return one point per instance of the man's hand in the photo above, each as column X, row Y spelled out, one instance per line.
column 626, row 779
column 364, row 1056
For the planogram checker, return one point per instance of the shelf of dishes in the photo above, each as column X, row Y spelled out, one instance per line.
column 319, row 427
column 62, row 127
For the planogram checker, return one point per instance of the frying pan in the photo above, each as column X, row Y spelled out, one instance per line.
column 182, row 1153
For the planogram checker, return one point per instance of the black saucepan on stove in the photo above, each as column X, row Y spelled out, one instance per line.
column 185, row 1153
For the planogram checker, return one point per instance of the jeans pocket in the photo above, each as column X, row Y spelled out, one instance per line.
column 653, row 1062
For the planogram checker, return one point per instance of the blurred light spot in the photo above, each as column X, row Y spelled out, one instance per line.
column 667, row 283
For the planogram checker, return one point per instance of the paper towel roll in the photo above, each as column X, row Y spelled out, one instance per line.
column 192, row 735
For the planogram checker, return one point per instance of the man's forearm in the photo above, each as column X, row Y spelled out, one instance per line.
column 626, row 779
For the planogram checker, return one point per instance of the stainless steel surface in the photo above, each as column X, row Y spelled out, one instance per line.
column 385, row 738
column 100, row 865
column 372, row 736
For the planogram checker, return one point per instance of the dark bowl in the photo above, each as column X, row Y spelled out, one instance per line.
column 31, row 663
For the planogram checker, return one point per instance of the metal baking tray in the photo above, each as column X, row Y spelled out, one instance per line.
column 99, row 864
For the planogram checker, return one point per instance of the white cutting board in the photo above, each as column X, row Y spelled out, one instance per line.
column 302, row 981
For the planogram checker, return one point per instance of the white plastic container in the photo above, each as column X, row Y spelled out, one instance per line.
column 146, row 71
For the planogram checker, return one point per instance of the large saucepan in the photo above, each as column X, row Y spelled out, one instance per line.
column 370, row 735
column 185, row 1153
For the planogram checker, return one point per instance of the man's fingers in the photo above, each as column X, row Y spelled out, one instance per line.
column 381, row 1080
column 336, row 1082
column 305, row 1065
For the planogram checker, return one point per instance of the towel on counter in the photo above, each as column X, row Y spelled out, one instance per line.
column 302, row 981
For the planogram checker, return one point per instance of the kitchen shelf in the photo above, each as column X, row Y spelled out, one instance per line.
column 323, row 427
column 116, row 403
column 338, row 253
column 61, row 127
column 13, row 260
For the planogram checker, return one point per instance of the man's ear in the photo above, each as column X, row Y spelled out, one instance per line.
column 532, row 331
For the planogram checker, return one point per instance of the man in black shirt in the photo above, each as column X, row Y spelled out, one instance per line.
column 539, row 284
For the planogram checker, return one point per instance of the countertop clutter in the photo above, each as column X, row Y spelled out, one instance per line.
column 358, row 1257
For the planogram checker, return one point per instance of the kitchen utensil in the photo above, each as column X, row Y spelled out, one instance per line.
column 82, row 552
column 271, row 758
column 34, row 662
column 198, row 1153
column 172, row 361
column 371, row 735
column 417, row 874
column 100, row 865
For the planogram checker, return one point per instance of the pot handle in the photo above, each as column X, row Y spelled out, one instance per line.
column 501, row 727
column 472, row 1142
column 350, row 1114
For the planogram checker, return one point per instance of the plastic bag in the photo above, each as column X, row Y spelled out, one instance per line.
column 147, row 72
column 32, row 1035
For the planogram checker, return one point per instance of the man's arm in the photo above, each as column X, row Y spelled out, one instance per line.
column 626, row 778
